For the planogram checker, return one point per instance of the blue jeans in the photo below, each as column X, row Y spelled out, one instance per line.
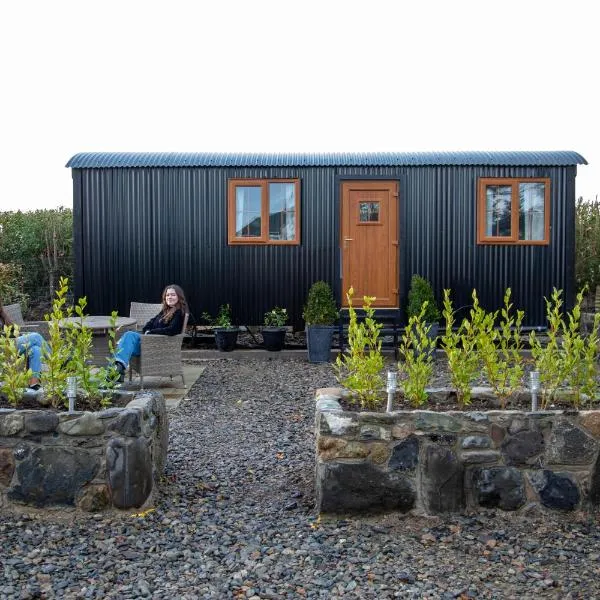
column 30, row 344
column 129, row 345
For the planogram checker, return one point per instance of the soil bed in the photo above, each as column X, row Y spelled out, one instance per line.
column 31, row 402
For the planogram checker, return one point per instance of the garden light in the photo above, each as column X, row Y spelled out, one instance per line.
column 71, row 392
column 534, row 386
column 392, row 380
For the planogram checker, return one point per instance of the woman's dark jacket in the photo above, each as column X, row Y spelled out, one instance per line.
column 158, row 326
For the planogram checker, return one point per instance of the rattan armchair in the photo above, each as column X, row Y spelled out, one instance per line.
column 160, row 355
column 14, row 313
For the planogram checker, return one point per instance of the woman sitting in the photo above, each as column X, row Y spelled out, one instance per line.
column 169, row 321
column 29, row 345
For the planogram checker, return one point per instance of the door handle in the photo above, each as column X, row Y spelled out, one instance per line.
column 348, row 239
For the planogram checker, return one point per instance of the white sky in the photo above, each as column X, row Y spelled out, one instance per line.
column 278, row 76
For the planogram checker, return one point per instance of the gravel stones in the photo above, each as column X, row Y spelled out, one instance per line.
column 235, row 519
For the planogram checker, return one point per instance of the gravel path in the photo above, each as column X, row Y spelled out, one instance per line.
column 236, row 520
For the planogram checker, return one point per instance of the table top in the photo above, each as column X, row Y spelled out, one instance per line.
column 97, row 322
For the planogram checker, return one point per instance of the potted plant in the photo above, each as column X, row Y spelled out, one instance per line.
column 274, row 330
column 226, row 333
column 320, row 313
column 419, row 293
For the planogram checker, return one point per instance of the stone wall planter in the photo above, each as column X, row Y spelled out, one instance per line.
column 426, row 462
column 92, row 460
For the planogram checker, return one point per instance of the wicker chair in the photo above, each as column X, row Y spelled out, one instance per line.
column 160, row 355
column 15, row 314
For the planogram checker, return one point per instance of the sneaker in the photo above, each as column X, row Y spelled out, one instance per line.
column 121, row 370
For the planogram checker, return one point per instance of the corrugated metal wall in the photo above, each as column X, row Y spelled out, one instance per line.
column 138, row 229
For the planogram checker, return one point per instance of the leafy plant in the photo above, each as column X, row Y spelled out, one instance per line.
column 14, row 375
column 320, row 307
column 276, row 317
column 460, row 349
column 359, row 369
column 223, row 318
column 499, row 347
column 417, row 357
column 568, row 359
column 69, row 352
column 420, row 293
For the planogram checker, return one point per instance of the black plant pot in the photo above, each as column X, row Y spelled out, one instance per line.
column 318, row 342
column 226, row 338
column 273, row 338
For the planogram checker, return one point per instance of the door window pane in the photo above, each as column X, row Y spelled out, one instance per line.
column 368, row 212
column 282, row 211
column 497, row 210
column 247, row 212
column 531, row 211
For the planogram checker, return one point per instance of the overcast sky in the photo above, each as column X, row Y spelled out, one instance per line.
column 251, row 75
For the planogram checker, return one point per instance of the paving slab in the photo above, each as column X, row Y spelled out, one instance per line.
column 172, row 390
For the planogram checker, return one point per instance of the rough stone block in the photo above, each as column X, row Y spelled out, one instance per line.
column 10, row 423
column 93, row 498
column 556, row 490
column 85, row 424
column 7, row 466
column 51, row 475
column 441, row 481
column 405, row 455
column 499, row 487
column 129, row 468
column 128, row 423
column 361, row 487
column 570, row 445
column 41, row 422
column 523, row 447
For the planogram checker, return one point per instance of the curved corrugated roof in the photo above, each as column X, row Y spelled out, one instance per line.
column 99, row 160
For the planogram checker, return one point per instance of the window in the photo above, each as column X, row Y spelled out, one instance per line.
column 513, row 211
column 264, row 211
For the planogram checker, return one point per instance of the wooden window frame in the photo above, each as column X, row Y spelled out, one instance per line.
column 513, row 239
column 263, row 240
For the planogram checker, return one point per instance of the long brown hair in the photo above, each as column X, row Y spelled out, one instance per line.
column 182, row 305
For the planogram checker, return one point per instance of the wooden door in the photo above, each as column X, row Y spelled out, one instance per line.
column 369, row 241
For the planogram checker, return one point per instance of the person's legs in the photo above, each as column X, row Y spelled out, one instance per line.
column 30, row 344
column 128, row 346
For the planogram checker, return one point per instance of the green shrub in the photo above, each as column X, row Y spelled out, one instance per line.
column 320, row 307
column 569, row 359
column 223, row 318
column 461, row 352
column 14, row 376
column 499, row 347
column 416, row 351
column 359, row 369
column 420, row 293
column 587, row 244
column 276, row 317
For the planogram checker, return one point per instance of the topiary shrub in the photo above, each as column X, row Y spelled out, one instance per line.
column 421, row 291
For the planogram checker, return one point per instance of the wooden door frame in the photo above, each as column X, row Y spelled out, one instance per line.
column 338, row 180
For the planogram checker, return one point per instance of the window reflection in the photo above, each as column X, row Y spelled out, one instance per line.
column 368, row 212
column 531, row 211
column 282, row 211
column 247, row 212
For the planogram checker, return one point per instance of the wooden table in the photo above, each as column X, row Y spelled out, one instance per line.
column 100, row 325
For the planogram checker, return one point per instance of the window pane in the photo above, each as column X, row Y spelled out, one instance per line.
column 531, row 211
column 247, row 212
column 368, row 212
column 282, row 211
column 497, row 210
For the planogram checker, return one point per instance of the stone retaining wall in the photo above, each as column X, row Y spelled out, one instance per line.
column 431, row 462
column 92, row 460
